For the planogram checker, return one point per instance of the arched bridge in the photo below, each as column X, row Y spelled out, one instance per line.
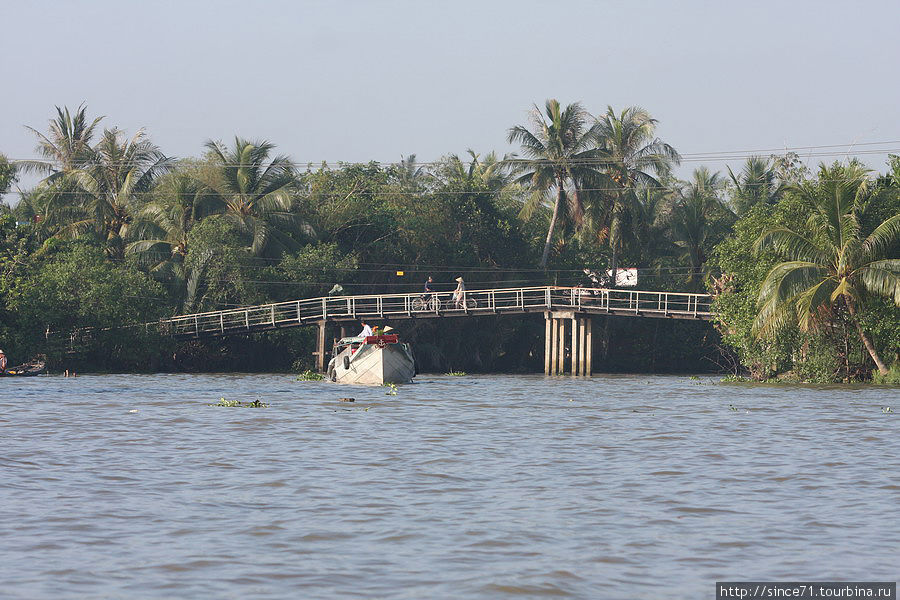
column 564, row 308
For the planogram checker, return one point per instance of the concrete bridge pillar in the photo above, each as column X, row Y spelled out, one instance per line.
column 560, row 328
column 320, row 346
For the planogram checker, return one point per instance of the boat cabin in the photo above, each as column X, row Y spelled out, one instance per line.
column 355, row 342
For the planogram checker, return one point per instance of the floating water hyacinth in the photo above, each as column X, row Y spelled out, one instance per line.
column 310, row 376
column 233, row 403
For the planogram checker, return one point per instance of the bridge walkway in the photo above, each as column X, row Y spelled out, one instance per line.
column 338, row 309
column 567, row 311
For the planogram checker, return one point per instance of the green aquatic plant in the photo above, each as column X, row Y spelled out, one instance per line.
column 457, row 373
column 393, row 389
column 310, row 376
column 735, row 379
column 233, row 403
column 224, row 402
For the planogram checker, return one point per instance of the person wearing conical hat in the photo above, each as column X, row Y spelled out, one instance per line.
column 459, row 294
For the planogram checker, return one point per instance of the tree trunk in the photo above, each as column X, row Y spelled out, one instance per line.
column 882, row 368
column 615, row 236
column 546, row 253
column 613, row 267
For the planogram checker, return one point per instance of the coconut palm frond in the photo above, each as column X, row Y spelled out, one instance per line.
column 881, row 278
column 886, row 235
column 790, row 245
column 808, row 302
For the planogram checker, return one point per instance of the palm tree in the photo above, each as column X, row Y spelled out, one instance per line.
column 162, row 225
column 119, row 174
column 630, row 155
column 699, row 219
column 67, row 145
column 560, row 149
column 830, row 264
column 256, row 196
column 489, row 174
column 757, row 183
column 410, row 175
column 161, row 230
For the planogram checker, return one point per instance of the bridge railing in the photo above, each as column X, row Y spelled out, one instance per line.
column 641, row 301
column 503, row 300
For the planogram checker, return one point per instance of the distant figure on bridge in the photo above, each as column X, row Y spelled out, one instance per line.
column 597, row 280
column 459, row 294
column 366, row 330
column 2, row 362
column 428, row 288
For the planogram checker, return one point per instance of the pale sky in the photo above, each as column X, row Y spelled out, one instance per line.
column 358, row 81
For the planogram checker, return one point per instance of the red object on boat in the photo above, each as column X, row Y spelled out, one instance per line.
column 383, row 339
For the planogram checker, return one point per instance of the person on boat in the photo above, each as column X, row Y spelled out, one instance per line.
column 366, row 330
column 459, row 294
column 2, row 362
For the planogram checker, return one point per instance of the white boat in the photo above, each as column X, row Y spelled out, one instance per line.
column 374, row 360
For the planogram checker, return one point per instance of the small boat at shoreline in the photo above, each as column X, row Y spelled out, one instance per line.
column 29, row 369
column 373, row 360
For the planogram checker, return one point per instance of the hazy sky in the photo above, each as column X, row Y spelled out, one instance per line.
column 359, row 81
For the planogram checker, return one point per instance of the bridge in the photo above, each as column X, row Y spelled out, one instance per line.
column 567, row 311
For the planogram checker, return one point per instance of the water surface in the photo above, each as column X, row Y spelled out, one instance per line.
column 129, row 486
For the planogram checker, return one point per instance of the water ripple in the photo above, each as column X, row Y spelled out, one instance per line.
column 476, row 487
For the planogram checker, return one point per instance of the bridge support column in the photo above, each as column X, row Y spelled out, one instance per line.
column 576, row 348
column 548, row 343
column 579, row 358
column 588, row 346
column 583, row 349
column 320, row 347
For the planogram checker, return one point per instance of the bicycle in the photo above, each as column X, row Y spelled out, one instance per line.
column 434, row 304
column 423, row 302
column 468, row 304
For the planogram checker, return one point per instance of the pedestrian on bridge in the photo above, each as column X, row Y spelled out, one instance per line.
column 459, row 294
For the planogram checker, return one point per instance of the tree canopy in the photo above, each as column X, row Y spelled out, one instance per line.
column 118, row 233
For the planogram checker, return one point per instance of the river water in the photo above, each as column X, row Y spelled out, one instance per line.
column 130, row 486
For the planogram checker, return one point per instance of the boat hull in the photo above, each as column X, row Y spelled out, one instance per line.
column 27, row 370
column 373, row 365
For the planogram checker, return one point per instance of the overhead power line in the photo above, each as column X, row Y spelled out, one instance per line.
column 388, row 191
column 709, row 156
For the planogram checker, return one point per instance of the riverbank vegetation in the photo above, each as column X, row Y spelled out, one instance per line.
column 804, row 265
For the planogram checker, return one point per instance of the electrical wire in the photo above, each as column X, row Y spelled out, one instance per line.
column 714, row 155
column 300, row 196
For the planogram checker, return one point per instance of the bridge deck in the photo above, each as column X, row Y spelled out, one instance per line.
column 672, row 305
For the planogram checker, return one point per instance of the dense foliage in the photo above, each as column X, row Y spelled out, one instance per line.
column 117, row 234
column 808, row 286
